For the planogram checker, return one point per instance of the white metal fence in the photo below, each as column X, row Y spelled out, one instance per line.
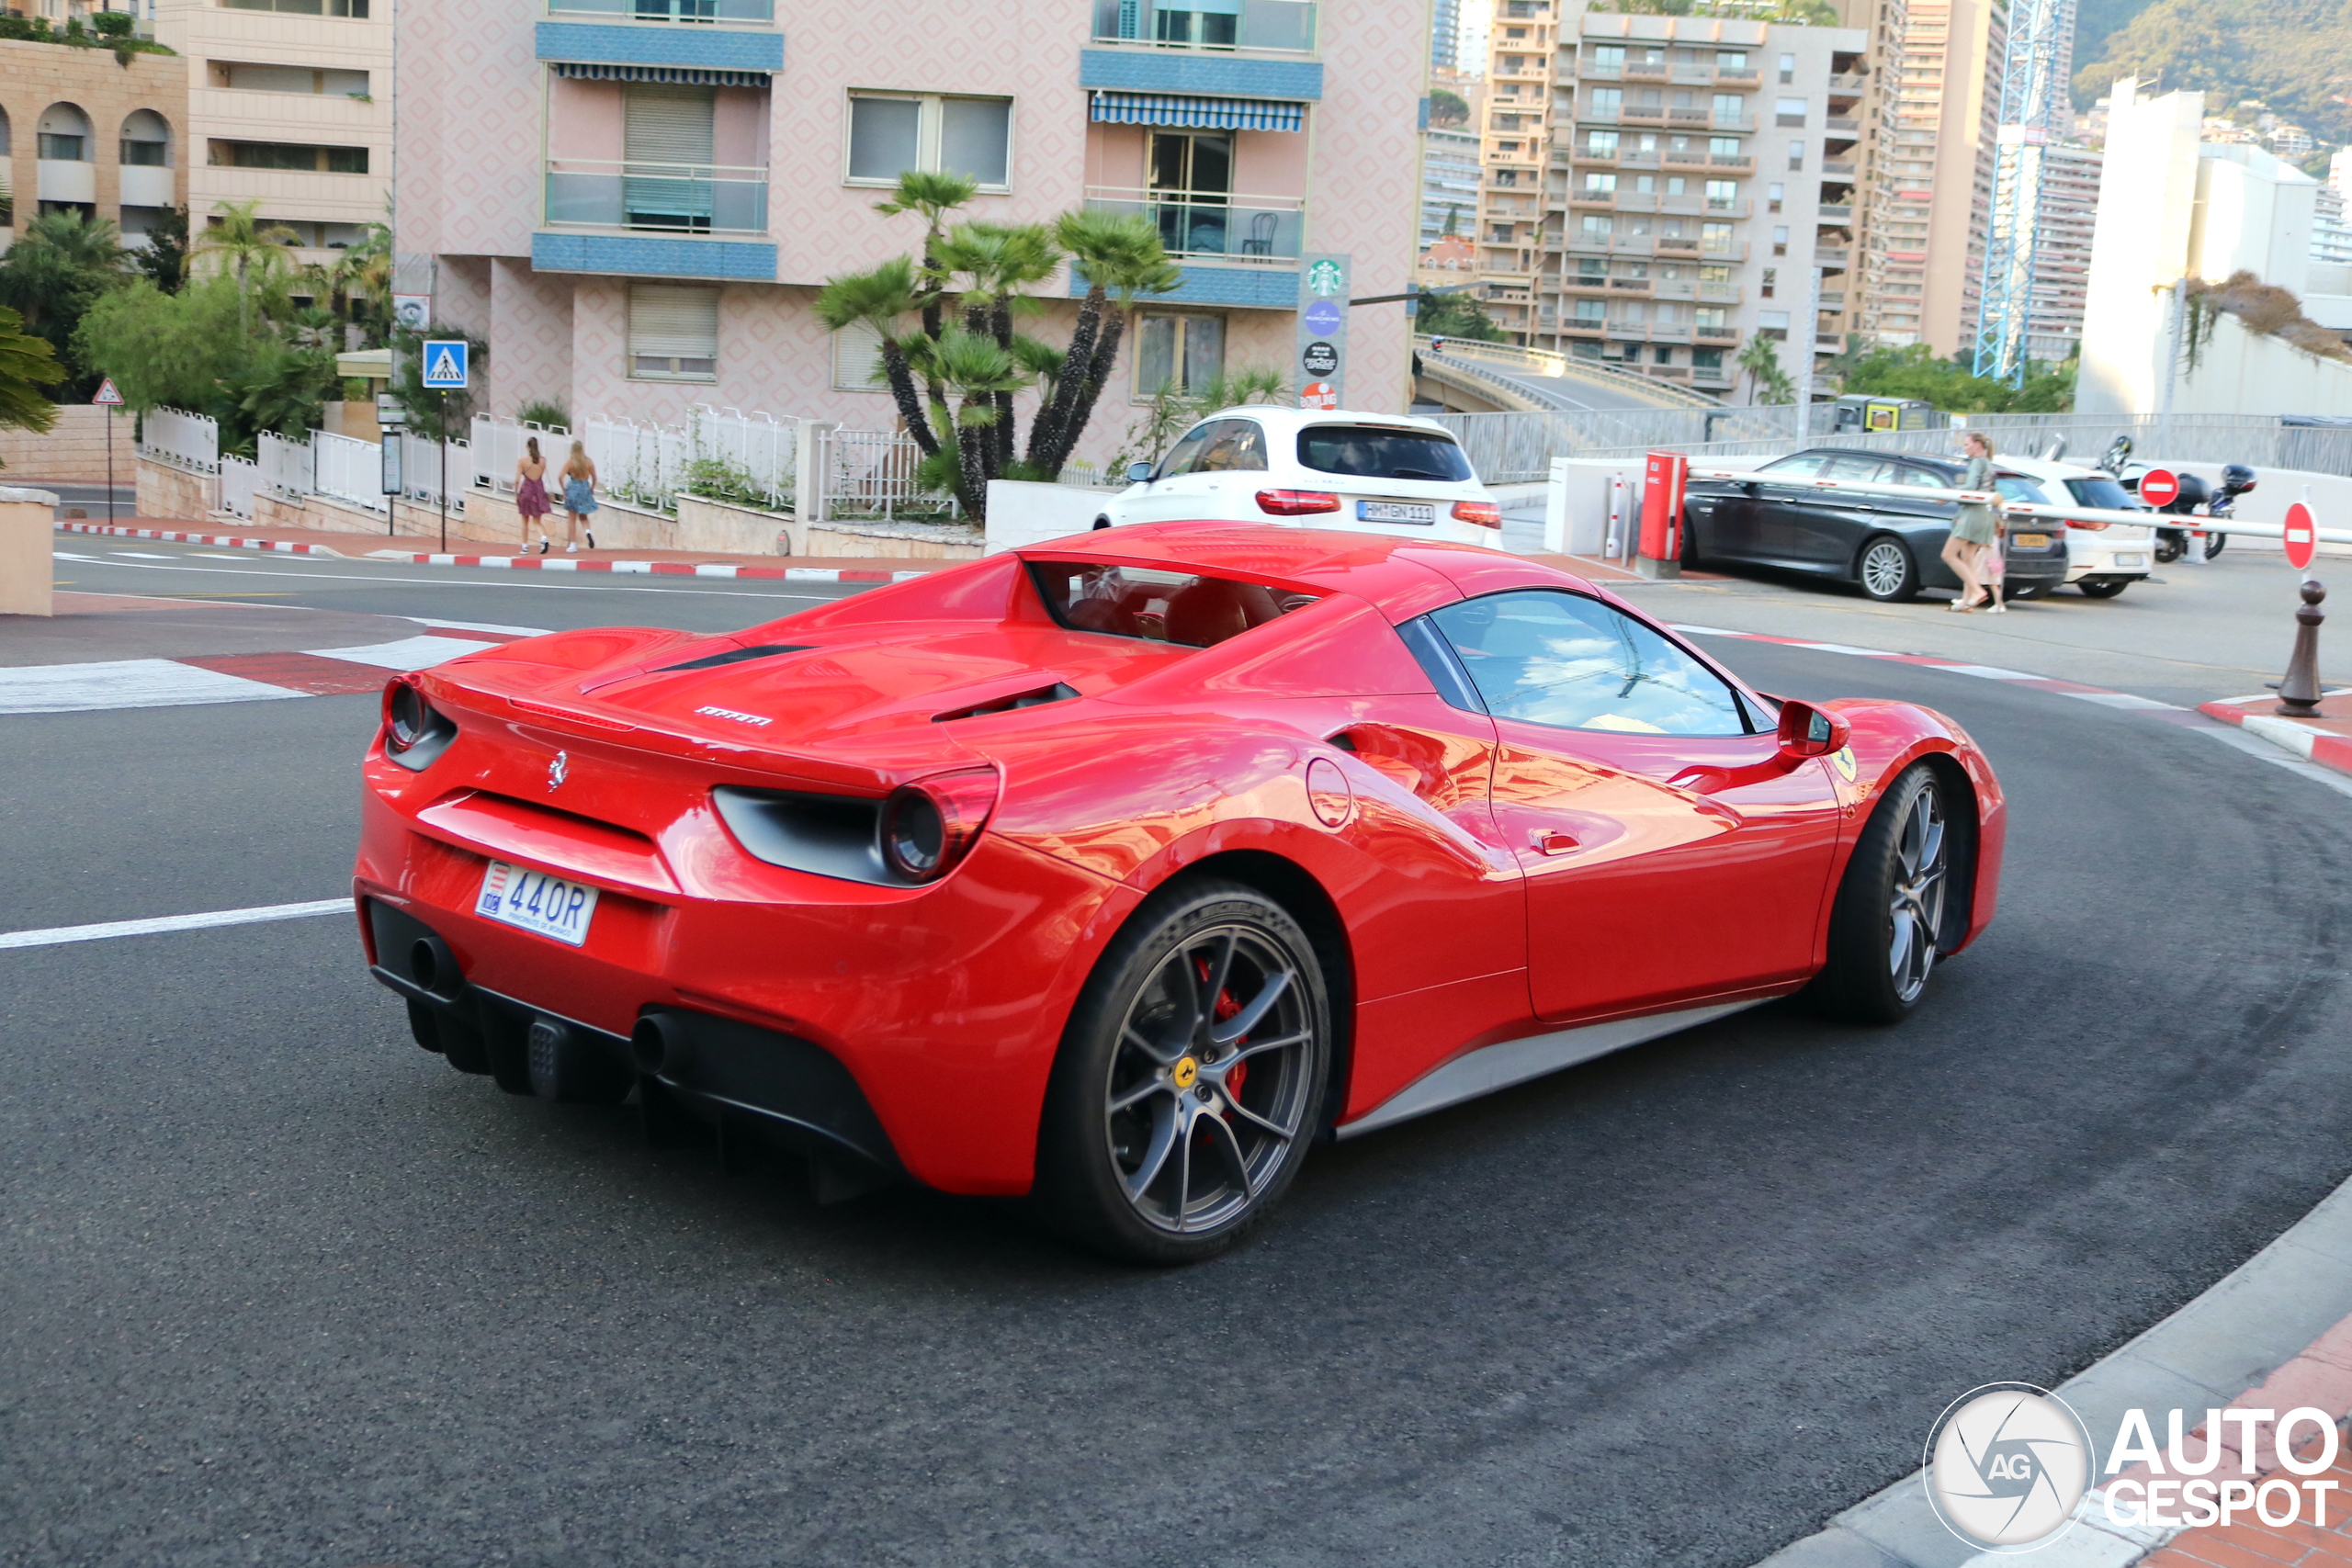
column 285, row 465
column 349, row 471
column 1517, row 448
column 240, row 481
column 869, row 473
column 497, row 448
column 184, row 440
column 750, row 458
column 423, row 463
column 644, row 465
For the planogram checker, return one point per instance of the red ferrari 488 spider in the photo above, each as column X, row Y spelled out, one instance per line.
column 1121, row 868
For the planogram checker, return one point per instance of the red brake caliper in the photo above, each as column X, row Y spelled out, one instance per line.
column 1226, row 1008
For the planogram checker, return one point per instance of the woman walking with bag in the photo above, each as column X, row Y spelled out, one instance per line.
column 531, row 494
column 1974, row 528
column 578, row 498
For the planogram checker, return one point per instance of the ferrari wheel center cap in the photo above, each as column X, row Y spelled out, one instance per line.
column 1184, row 1072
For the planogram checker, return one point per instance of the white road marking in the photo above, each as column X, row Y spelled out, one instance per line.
column 480, row 626
column 69, row 555
column 137, row 555
column 125, row 684
column 568, row 586
column 1990, row 673
column 55, row 935
column 2122, row 700
column 408, row 653
column 2239, row 740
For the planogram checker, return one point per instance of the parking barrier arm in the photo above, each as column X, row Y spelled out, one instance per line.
column 2024, row 509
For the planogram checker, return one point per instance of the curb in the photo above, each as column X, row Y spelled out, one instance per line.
column 117, row 530
column 516, row 563
column 2273, row 1333
column 2318, row 746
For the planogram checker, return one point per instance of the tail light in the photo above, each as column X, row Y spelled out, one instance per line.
column 928, row 826
column 1484, row 513
column 2087, row 527
column 1296, row 503
column 415, row 732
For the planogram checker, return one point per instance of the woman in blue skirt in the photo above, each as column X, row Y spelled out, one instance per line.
column 578, row 498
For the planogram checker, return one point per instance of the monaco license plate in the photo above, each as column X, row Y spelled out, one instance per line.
column 1394, row 511
column 2033, row 541
column 2131, row 561
column 536, row 902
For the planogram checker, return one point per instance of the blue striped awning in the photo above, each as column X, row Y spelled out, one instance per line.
column 1205, row 114
column 689, row 76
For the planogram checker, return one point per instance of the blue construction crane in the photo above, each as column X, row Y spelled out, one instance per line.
column 2035, row 109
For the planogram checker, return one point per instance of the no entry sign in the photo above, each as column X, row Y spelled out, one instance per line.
column 2159, row 487
column 2301, row 536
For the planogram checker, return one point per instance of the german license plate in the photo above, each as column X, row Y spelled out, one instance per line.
column 536, row 902
column 2131, row 561
column 2033, row 541
column 1394, row 511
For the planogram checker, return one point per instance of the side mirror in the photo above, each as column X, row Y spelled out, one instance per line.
column 1139, row 473
column 1807, row 731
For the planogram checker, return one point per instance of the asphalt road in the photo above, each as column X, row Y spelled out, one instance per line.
column 279, row 1288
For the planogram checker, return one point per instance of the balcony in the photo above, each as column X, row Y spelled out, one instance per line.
column 1849, row 82
column 1830, row 258
column 659, row 198
column 758, row 13
column 1147, row 66
column 1839, row 125
column 1714, row 334
column 1274, row 27
column 1247, row 231
column 1835, row 213
column 1836, row 169
column 751, row 51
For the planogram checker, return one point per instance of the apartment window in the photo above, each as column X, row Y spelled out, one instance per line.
column 1729, row 108
column 1645, row 185
column 1514, row 32
column 1608, row 102
column 857, row 358
column 1501, row 234
column 891, row 133
column 239, row 76
column 1608, row 58
column 1788, row 68
column 1596, row 184
column 1591, row 311
column 1716, row 238
column 1780, row 242
column 146, row 140
column 1723, row 146
column 1774, row 195
column 1661, row 355
column 1720, row 194
column 1796, row 157
column 1179, row 354
column 1601, row 143
column 1727, row 60
column 1506, row 176
column 1707, row 316
column 1506, row 122
column 1591, row 269
column 1788, row 111
column 60, row 149
column 1708, row 358
column 1714, row 274
column 1771, row 281
column 1597, row 226
column 1773, row 324
column 290, row 155
column 357, row 9
column 672, row 332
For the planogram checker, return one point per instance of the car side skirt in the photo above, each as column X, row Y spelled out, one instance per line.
column 1492, row 1067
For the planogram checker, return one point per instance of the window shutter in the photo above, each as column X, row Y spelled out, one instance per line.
column 672, row 331
column 857, row 353
column 662, row 123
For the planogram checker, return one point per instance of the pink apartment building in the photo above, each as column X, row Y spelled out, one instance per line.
column 635, row 201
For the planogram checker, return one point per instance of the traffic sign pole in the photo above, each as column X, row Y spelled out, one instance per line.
column 109, row 398
column 446, row 369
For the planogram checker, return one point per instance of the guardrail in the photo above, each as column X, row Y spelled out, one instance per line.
column 1542, row 362
column 183, row 440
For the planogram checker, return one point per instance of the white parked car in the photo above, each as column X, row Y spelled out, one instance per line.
column 1372, row 473
column 2102, row 559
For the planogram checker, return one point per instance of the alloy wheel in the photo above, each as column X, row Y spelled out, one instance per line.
column 1885, row 567
column 1210, row 1079
column 1916, row 899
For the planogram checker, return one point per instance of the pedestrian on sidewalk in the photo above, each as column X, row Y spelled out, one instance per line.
column 1975, row 527
column 531, row 494
column 578, row 498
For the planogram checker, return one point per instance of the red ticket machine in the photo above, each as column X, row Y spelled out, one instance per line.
column 1665, row 477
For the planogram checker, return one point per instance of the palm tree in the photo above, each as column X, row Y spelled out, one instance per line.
column 1000, row 261
column 978, row 371
column 932, row 195
column 1119, row 255
column 881, row 299
column 27, row 364
column 1766, row 382
column 249, row 248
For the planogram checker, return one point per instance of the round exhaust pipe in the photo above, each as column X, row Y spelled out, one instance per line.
column 434, row 968
column 660, row 1044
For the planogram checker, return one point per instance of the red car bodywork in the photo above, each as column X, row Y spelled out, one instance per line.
column 1700, row 872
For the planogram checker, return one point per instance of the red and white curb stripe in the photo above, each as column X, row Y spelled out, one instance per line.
column 228, row 541
column 2324, row 747
column 512, row 563
column 237, row 677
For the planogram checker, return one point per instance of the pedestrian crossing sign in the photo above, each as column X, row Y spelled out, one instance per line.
column 445, row 366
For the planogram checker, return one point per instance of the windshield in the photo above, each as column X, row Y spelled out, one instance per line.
column 1368, row 452
column 2104, row 493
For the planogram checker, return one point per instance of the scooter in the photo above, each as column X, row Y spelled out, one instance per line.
column 2219, row 501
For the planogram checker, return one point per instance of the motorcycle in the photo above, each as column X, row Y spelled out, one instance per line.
column 2219, row 501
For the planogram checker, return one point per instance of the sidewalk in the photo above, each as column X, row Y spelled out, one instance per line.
column 2325, row 738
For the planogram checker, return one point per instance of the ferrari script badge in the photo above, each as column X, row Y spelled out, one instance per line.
column 1184, row 1072
column 559, row 770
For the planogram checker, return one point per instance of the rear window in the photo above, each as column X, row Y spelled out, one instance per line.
column 1360, row 452
column 2016, row 487
column 1159, row 607
column 2103, row 493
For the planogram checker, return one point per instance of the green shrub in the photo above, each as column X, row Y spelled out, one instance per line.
column 542, row 410
column 721, row 480
column 114, row 24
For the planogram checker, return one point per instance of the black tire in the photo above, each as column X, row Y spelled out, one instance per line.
column 1893, row 889
column 2213, row 543
column 1887, row 570
column 2102, row 590
column 2168, row 550
column 1150, row 1083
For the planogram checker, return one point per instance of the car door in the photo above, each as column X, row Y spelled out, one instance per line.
column 1671, row 852
column 1230, row 471
column 1924, row 519
column 1826, row 534
column 1730, row 525
column 1176, row 490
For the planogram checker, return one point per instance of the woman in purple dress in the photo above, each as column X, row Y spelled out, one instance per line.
column 531, row 494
